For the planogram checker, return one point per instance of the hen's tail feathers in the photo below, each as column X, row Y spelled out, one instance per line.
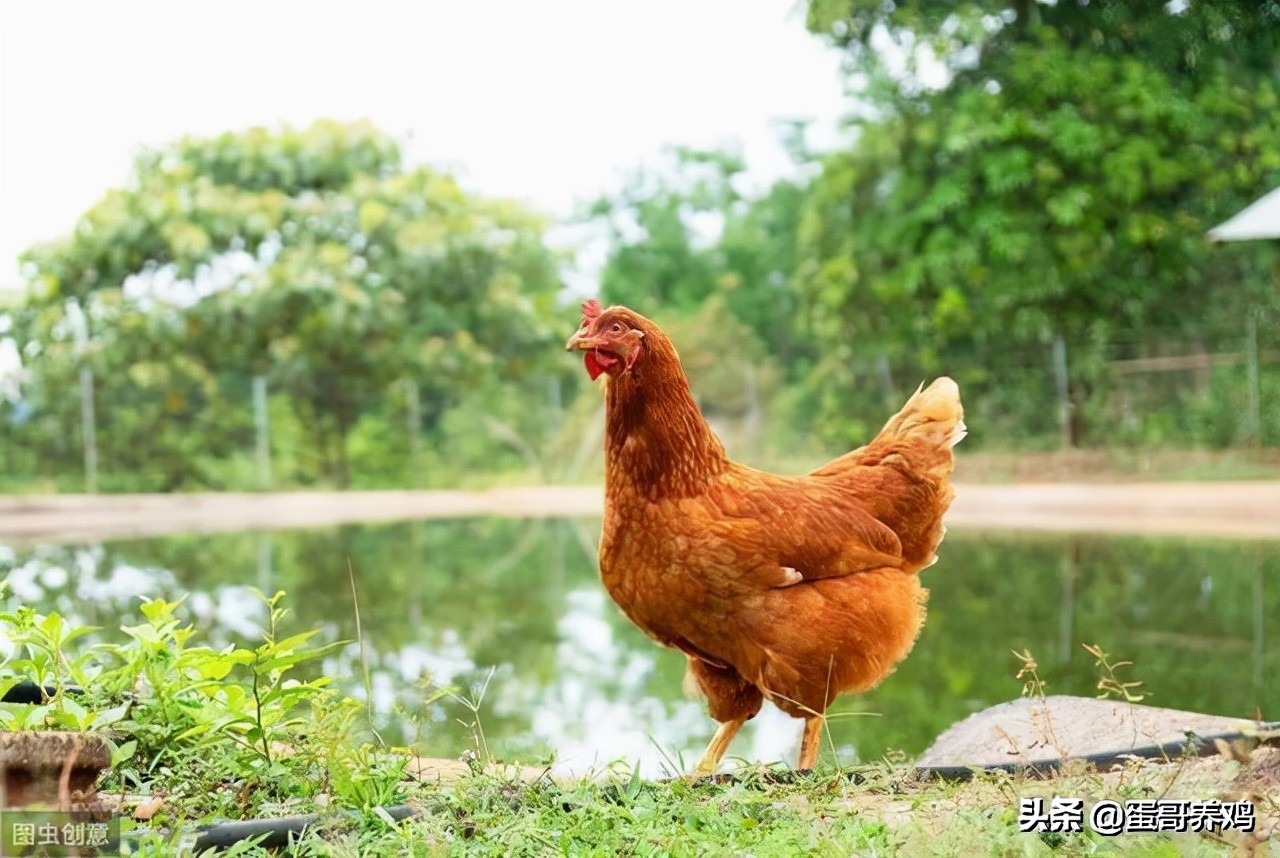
column 922, row 434
column 903, row 477
column 934, row 417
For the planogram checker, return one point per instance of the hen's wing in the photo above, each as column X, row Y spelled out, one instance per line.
column 787, row 531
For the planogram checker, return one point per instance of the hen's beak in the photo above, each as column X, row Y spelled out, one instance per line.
column 580, row 342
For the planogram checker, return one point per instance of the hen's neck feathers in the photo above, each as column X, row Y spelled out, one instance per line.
column 656, row 440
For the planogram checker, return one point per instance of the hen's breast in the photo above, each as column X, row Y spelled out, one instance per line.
column 641, row 562
column 673, row 571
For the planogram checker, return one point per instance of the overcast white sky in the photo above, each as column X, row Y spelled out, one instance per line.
column 549, row 102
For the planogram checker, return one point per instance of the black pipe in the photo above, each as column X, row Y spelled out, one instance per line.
column 27, row 691
column 1200, row 746
column 274, row 833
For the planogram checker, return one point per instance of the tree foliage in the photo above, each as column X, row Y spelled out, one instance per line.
column 662, row 225
column 1059, row 185
column 1016, row 173
column 684, row 234
column 313, row 257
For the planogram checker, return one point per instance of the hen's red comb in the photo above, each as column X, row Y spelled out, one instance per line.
column 591, row 311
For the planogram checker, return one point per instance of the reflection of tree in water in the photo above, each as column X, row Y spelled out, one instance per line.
column 456, row 600
column 103, row 585
column 444, row 601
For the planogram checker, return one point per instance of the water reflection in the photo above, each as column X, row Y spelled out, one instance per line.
column 509, row 615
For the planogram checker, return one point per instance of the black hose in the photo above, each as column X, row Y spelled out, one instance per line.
column 27, row 691
column 273, row 833
column 1200, row 746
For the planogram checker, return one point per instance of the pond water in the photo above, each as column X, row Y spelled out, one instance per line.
column 510, row 616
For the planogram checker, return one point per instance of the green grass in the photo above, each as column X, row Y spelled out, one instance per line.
column 239, row 733
column 1118, row 464
column 887, row 812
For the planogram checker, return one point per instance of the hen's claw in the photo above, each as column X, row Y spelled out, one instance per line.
column 715, row 751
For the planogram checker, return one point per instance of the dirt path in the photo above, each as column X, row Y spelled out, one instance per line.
column 1243, row 510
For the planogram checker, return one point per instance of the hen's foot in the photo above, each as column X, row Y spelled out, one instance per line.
column 715, row 751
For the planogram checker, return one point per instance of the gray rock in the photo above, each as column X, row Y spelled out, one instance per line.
column 1035, row 731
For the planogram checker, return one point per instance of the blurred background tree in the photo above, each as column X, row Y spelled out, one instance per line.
column 311, row 258
column 1056, row 185
column 1022, row 199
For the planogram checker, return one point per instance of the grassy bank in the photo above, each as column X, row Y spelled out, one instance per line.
column 202, row 734
column 881, row 810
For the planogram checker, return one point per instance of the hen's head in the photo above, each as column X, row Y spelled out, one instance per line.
column 613, row 339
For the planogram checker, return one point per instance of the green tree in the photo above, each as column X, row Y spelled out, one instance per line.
column 659, row 257
column 1058, row 186
column 759, row 252
column 313, row 257
column 683, row 234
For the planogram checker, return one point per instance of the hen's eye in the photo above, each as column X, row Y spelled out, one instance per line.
column 616, row 328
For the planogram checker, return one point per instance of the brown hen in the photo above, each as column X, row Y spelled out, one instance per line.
column 791, row 589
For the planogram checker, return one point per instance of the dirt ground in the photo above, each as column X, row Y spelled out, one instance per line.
column 1249, row 510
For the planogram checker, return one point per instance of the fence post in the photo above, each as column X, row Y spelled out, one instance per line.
column 555, row 399
column 89, row 431
column 754, row 421
column 1259, row 625
column 262, row 431
column 1061, row 384
column 413, row 422
column 885, row 373
column 266, row 575
column 1251, row 370
column 1066, row 610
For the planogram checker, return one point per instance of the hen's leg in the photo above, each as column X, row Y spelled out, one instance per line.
column 719, row 744
column 731, row 700
column 809, row 744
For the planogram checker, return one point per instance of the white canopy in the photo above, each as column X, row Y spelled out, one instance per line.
column 1260, row 220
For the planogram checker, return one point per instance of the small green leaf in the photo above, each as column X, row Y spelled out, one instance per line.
column 122, row 753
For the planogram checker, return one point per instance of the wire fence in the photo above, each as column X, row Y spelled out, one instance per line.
column 130, row 431
column 237, row 432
